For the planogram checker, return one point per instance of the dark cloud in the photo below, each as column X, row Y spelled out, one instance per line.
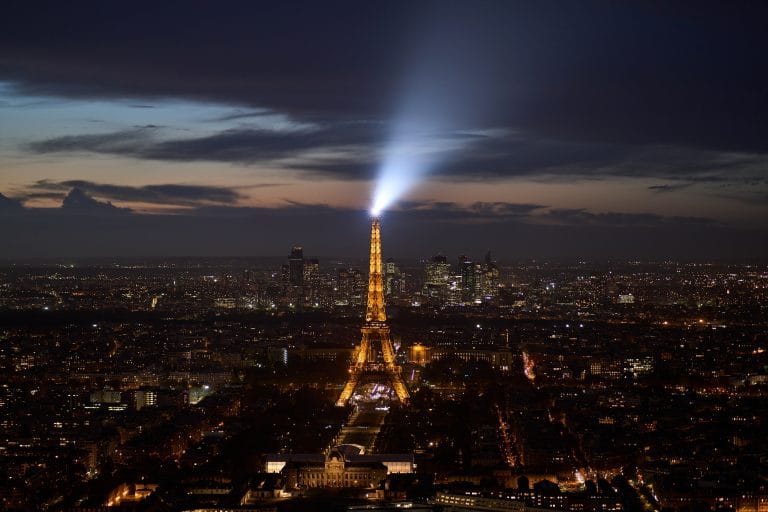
column 358, row 146
column 244, row 115
column 427, row 213
column 31, row 194
column 519, row 155
column 8, row 205
column 581, row 216
column 750, row 197
column 653, row 73
column 249, row 146
column 78, row 201
column 239, row 146
column 125, row 142
column 166, row 194
column 669, row 187
column 411, row 233
column 478, row 212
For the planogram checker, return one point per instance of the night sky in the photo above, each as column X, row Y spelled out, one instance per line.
column 533, row 129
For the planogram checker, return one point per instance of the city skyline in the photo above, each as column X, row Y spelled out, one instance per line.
column 214, row 385
column 630, row 131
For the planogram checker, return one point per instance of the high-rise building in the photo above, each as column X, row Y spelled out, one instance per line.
column 454, row 290
column 296, row 266
column 312, row 281
column 468, row 279
column 311, row 271
column 393, row 282
column 349, row 286
column 285, row 276
column 437, row 270
column 488, row 283
column 437, row 273
column 144, row 398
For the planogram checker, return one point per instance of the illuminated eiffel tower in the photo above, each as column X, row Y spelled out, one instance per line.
column 375, row 332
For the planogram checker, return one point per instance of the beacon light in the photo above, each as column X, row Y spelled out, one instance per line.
column 443, row 93
column 404, row 166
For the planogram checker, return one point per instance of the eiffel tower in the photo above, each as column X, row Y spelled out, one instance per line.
column 375, row 332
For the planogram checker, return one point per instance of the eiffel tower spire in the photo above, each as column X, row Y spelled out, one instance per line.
column 375, row 331
column 375, row 311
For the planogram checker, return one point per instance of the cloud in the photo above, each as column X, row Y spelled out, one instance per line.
column 523, row 155
column 582, row 217
column 120, row 143
column 78, row 201
column 234, row 145
column 619, row 74
column 419, row 213
column 351, row 151
column 478, row 212
column 752, row 197
column 166, row 194
column 8, row 205
column 29, row 194
column 407, row 233
column 669, row 187
column 588, row 92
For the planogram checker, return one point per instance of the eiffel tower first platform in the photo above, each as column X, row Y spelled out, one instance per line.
column 375, row 335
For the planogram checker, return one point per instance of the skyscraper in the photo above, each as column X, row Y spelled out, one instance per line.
column 437, row 273
column 489, row 279
column 349, row 286
column 296, row 266
column 392, row 278
column 468, row 279
column 311, row 280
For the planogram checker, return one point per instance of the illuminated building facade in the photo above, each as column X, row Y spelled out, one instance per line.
column 393, row 280
column 500, row 359
column 437, row 271
column 349, row 287
column 487, row 283
column 144, row 398
column 526, row 501
column 437, row 278
column 419, row 354
column 334, row 471
column 343, row 466
column 375, row 331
